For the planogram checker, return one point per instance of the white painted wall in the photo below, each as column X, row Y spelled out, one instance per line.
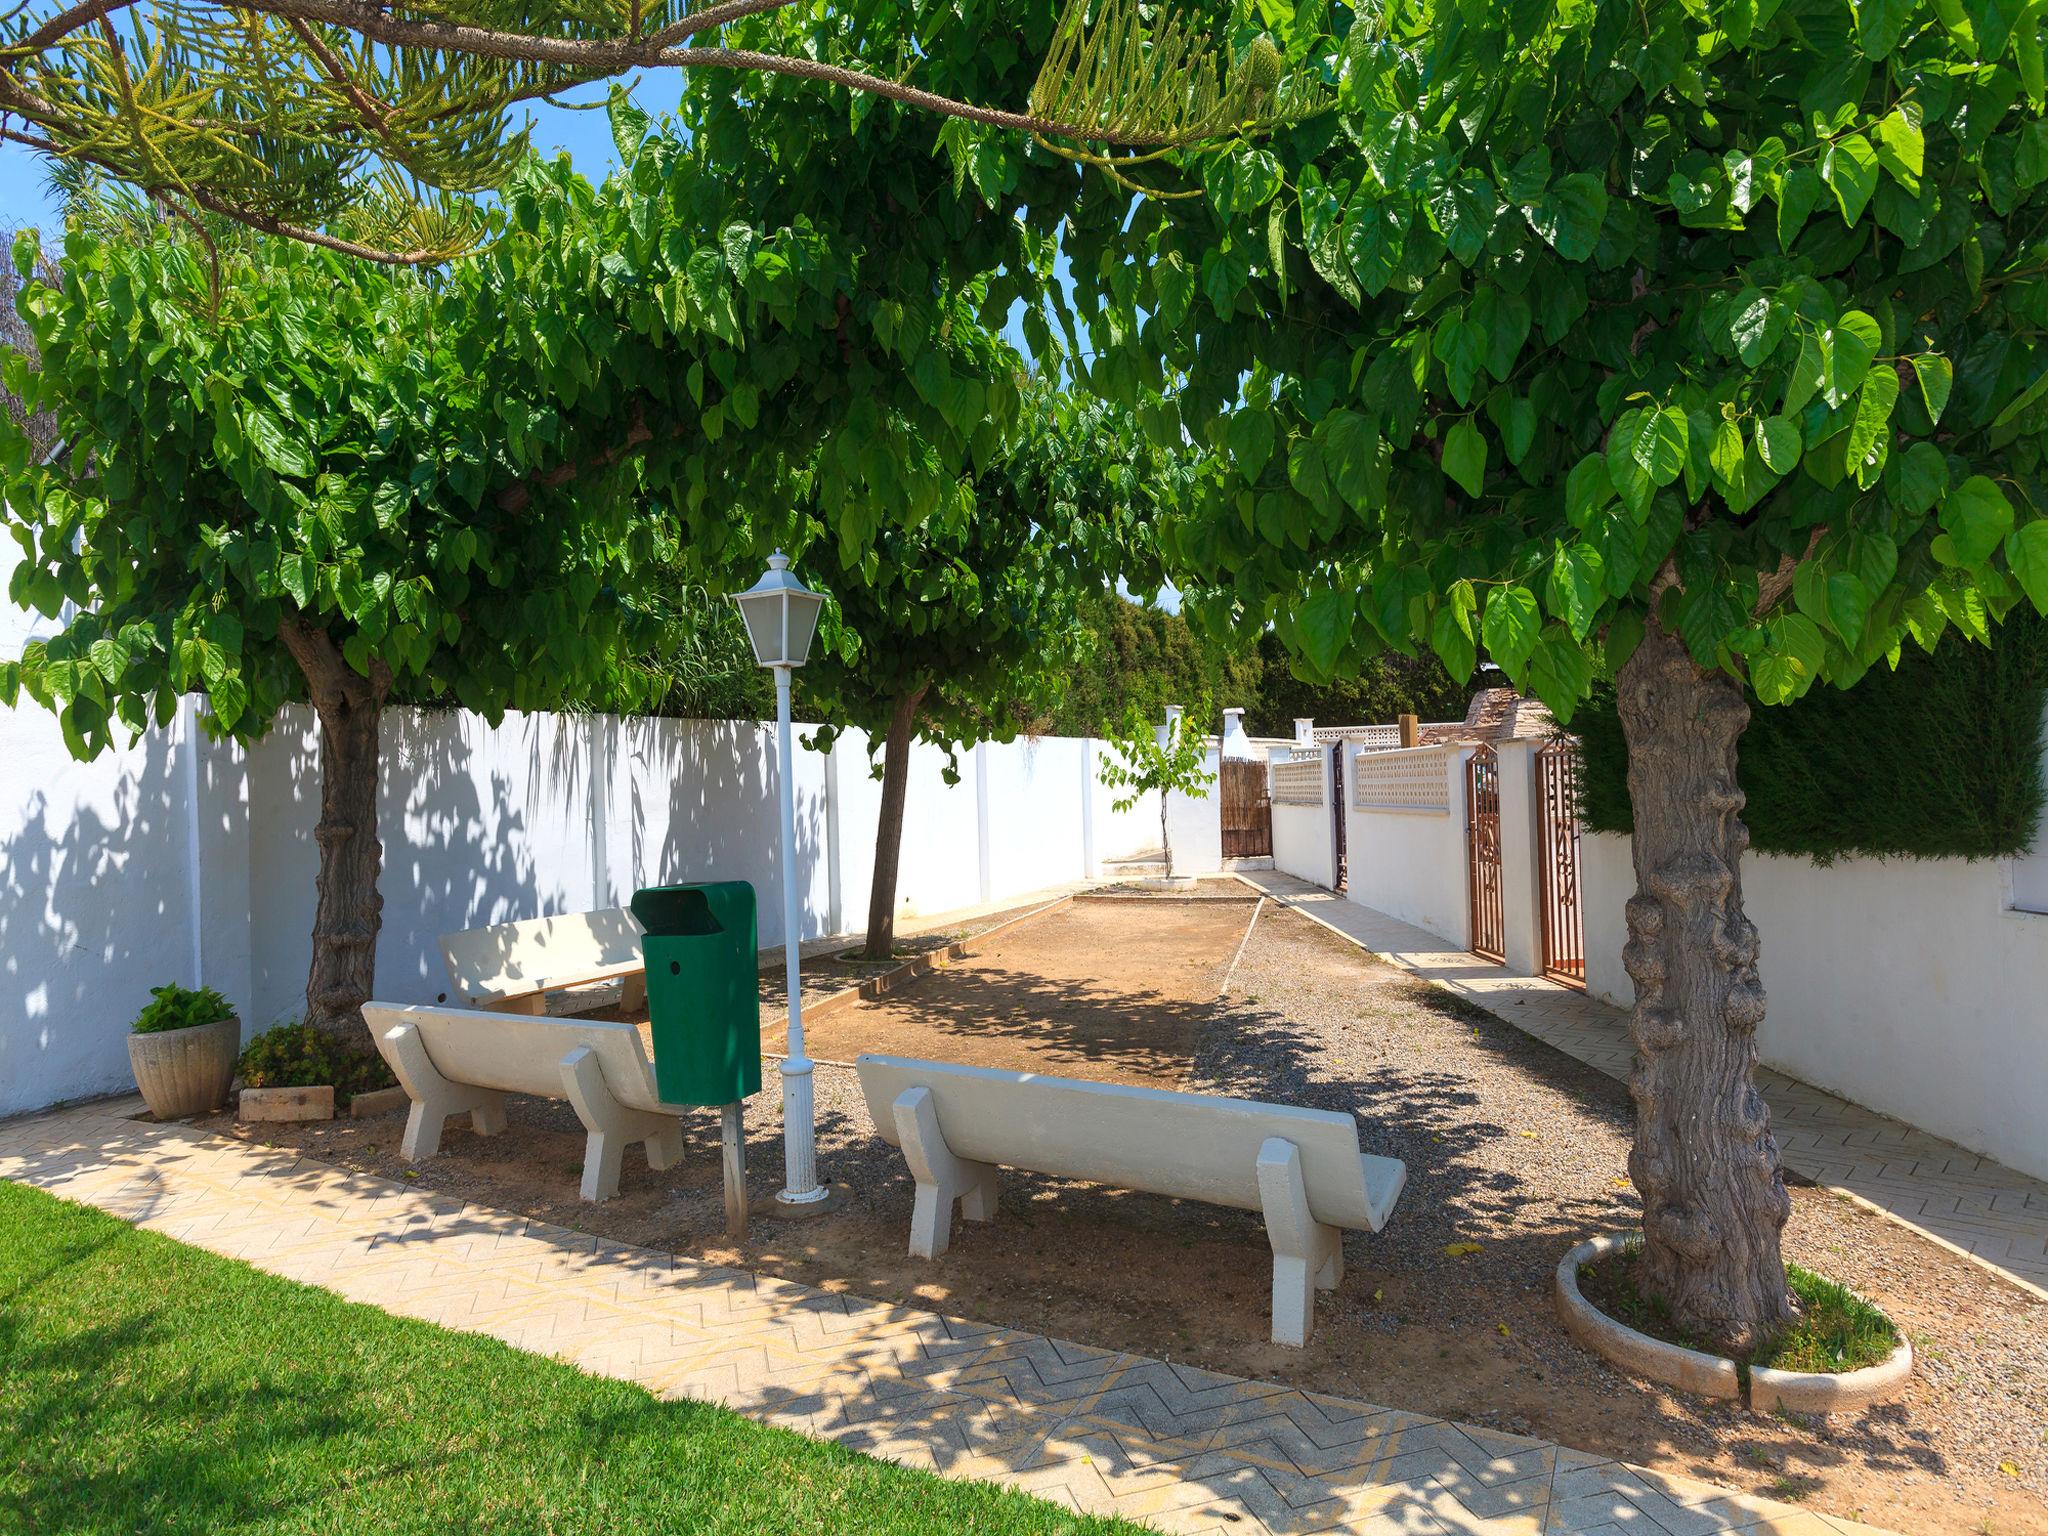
column 186, row 860
column 1907, row 985
column 1304, row 837
column 1411, row 864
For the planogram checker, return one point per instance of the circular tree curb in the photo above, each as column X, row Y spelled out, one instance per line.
column 1706, row 1375
column 1637, row 1353
column 1831, row 1392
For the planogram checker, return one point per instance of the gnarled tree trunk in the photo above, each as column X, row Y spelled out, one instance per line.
column 881, row 942
column 350, row 910
column 1714, row 1198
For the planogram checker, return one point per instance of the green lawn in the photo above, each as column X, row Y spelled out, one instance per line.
column 148, row 1386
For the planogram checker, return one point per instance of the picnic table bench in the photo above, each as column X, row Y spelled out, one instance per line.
column 520, row 967
column 453, row 1061
column 1301, row 1168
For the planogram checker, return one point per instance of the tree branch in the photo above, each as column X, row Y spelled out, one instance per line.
column 517, row 498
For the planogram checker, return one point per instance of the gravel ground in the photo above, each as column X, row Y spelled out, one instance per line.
column 1509, row 1145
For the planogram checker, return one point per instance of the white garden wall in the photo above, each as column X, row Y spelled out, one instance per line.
column 185, row 860
column 1404, row 839
column 1907, row 985
column 1304, row 840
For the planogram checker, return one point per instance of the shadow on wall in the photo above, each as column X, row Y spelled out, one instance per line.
column 539, row 816
column 95, row 906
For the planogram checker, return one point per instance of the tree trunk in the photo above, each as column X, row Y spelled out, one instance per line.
column 349, row 910
column 881, row 942
column 1704, row 1159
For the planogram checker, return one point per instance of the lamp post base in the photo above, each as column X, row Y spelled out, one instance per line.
column 826, row 1199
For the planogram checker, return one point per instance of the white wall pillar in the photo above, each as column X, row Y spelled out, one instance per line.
column 1521, row 871
column 1305, row 730
column 981, row 822
column 1091, row 864
column 835, row 880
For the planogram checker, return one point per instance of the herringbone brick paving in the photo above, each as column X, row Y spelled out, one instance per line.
column 1981, row 1209
column 1181, row 1449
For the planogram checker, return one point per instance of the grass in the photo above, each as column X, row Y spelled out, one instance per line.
column 148, row 1386
column 1837, row 1329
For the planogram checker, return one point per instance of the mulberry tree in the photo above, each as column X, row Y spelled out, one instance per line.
column 1695, row 347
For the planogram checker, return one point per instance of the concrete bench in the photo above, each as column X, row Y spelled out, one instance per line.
column 453, row 1061
column 1300, row 1168
column 519, row 967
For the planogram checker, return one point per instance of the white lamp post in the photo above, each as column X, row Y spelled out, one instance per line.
column 781, row 615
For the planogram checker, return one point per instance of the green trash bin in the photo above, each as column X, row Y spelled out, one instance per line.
column 703, row 992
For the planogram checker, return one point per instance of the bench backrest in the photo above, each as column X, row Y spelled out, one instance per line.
column 519, row 1053
column 512, row 959
column 1190, row 1145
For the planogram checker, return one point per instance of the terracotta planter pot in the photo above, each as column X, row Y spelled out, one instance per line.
column 186, row 1071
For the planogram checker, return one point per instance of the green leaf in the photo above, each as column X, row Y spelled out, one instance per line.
column 1569, row 215
column 1587, row 489
column 1850, row 170
column 1977, row 517
column 1518, row 435
column 1922, row 478
column 1460, row 345
column 1249, row 437
column 1350, row 448
column 1511, row 627
column 1465, row 211
column 1560, row 672
column 1576, row 588
column 1795, row 651
column 1778, row 444
column 1758, row 326
column 1879, row 23
column 1901, row 148
column 1809, row 371
column 1465, row 455
column 1936, row 378
column 1450, row 632
column 1324, row 623
column 1659, row 444
column 1868, row 430
column 1174, row 284
column 1375, row 233
column 281, row 453
column 2026, row 554
column 1503, row 320
column 1846, row 352
column 1798, row 195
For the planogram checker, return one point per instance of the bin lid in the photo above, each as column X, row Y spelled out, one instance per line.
column 702, row 907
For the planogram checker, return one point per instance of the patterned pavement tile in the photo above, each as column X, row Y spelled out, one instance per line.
column 1969, row 1204
column 1180, row 1449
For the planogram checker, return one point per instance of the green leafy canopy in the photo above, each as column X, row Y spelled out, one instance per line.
column 1576, row 313
column 326, row 450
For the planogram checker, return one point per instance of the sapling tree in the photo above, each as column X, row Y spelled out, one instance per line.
column 1698, row 346
column 1171, row 758
column 967, row 627
column 275, row 490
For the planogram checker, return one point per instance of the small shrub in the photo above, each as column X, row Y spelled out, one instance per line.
column 298, row 1056
column 175, row 1007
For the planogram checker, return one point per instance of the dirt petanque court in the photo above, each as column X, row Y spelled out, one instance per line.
column 1514, row 1151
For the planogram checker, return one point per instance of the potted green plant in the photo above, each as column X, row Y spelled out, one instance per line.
column 183, row 1047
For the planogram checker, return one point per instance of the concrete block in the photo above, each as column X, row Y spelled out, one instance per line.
column 286, row 1104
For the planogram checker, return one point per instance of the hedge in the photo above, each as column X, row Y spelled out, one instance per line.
column 1940, row 759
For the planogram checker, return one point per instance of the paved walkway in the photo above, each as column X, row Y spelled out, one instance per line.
column 1977, row 1207
column 1185, row 1450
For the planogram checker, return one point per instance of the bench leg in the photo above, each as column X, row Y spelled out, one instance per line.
column 941, row 1177
column 610, row 1125
column 1306, row 1254
column 633, row 993
column 434, row 1097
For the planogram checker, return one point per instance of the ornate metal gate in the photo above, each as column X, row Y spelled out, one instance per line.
column 1247, row 810
column 1564, row 924
column 1482, row 838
